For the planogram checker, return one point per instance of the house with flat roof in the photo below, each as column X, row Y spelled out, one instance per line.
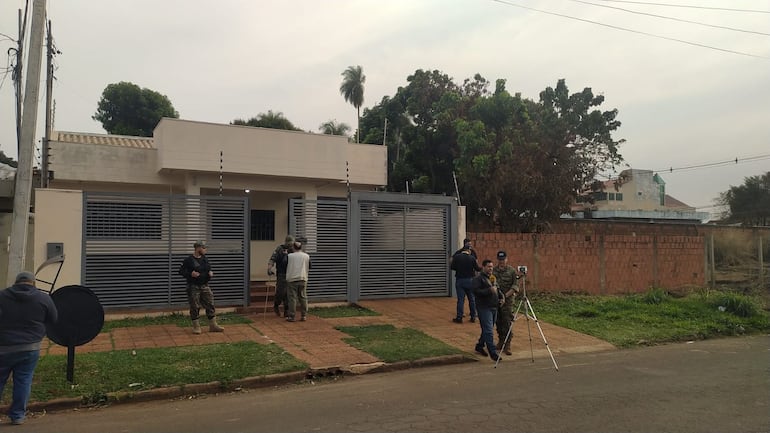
column 242, row 180
column 636, row 195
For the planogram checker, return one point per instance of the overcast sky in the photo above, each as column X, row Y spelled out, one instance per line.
column 680, row 105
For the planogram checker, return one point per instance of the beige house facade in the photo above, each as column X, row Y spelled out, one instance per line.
column 268, row 167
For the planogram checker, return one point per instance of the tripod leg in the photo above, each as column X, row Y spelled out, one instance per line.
column 529, row 330
column 537, row 322
column 509, row 334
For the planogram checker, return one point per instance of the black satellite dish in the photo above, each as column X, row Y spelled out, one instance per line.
column 81, row 316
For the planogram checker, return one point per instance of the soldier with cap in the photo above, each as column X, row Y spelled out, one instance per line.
column 197, row 271
column 24, row 313
column 277, row 265
column 505, row 275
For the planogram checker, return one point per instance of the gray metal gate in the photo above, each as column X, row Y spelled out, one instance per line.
column 324, row 223
column 377, row 245
column 133, row 245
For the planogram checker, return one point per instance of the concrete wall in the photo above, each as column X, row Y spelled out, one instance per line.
column 196, row 146
column 604, row 258
column 5, row 233
column 100, row 163
column 59, row 219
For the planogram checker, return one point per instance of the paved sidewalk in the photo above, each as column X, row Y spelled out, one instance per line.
column 318, row 343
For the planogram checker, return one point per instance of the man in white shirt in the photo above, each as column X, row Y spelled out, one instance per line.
column 296, row 278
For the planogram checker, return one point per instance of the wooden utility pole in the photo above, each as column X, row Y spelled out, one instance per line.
column 23, row 184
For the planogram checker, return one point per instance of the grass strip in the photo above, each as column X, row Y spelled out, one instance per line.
column 391, row 344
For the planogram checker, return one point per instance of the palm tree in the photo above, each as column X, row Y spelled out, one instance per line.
column 332, row 127
column 352, row 89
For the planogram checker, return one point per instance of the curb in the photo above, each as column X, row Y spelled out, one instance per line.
column 256, row 382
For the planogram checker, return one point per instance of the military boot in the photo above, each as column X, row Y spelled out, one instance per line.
column 214, row 327
column 196, row 326
column 507, row 349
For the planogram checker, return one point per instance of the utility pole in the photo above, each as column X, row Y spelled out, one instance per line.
column 23, row 184
column 17, row 75
column 48, row 110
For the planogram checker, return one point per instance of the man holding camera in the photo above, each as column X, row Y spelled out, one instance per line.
column 488, row 299
column 505, row 275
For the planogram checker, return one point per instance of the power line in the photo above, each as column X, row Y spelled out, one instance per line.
column 672, row 18
column 688, row 6
column 715, row 164
column 695, row 44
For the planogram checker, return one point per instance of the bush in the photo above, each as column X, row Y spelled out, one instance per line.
column 735, row 303
column 655, row 296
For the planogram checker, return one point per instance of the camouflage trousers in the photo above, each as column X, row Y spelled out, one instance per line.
column 504, row 319
column 200, row 296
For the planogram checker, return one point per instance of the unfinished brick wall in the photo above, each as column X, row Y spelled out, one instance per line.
column 603, row 258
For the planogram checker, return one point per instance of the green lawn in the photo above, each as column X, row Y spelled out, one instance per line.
column 182, row 320
column 351, row 310
column 654, row 317
column 392, row 344
column 97, row 374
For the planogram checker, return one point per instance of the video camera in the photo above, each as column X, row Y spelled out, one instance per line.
column 522, row 269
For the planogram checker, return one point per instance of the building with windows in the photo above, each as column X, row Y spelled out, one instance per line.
column 216, row 181
column 636, row 195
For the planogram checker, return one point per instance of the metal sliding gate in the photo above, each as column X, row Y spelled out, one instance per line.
column 133, row 245
column 377, row 245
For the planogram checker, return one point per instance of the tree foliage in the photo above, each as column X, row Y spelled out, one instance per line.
column 332, row 127
column 127, row 109
column 352, row 89
column 519, row 163
column 271, row 119
column 749, row 203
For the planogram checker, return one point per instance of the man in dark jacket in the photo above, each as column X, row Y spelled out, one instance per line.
column 277, row 265
column 197, row 271
column 24, row 313
column 488, row 298
column 465, row 267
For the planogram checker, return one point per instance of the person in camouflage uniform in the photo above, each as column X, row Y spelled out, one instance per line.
column 197, row 271
column 277, row 265
column 505, row 276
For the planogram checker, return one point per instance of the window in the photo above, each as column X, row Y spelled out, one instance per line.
column 611, row 196
column 114, row 220
column 619, row 196
column 600, row 196
column 262, row 225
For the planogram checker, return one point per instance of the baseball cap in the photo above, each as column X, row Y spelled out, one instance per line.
column 501, row 255
column 25, row 277
column 200, row 243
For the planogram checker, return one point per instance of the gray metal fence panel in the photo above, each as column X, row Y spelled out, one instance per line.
column 134, row 243
column 323, row 223
column 403, row 249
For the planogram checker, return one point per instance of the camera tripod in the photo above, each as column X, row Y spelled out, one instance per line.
column 529, row 313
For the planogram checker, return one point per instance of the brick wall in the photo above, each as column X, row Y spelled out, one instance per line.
column 604, row 258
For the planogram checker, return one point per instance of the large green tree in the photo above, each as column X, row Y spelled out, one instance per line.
column 127, row 109
column 352, row 89
column 749, row 203
column 519, row 163
column 271, row 119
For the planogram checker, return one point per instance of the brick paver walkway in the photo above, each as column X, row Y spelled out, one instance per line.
column 318, row 343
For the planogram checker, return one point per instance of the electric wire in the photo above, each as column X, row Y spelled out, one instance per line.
column 653, row 35
column 687, row 6
column 715, row 164
column 672, row 18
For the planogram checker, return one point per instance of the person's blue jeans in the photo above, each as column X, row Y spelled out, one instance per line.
column 22, row 365
column 487, row 321
column 464, row 287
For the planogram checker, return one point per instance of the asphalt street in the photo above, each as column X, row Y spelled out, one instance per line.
column 718, row 385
